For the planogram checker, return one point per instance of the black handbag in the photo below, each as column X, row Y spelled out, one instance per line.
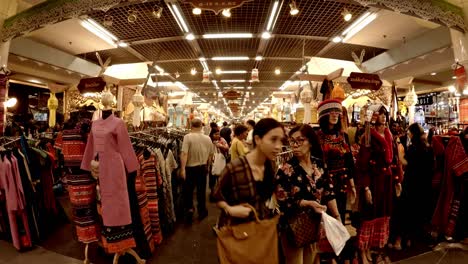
column 303, row 228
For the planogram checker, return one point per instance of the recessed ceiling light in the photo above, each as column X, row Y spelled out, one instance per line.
column 266, row 35
column 454, row 77
column 434, row 73
column 227, row 12
column 196, row 11
column 249, row 87
column 452, row 88
column 122, row 44
column 277, row 71
column 193, row 71
column 258, row 58
column 218, row 71
column 347, row 15
column 337, row 39
column 190, row 36
column 231, row 72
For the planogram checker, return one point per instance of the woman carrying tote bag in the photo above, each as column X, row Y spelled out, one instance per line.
column 219, row 160
column 246, row 228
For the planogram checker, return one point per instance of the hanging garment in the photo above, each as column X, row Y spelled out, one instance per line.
column 152, row 179
column 455, row 165
column 73, row 147
column 110, row 141
column 171, row 165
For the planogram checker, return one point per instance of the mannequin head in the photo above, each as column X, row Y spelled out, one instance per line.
column 330, row 114
column 107, row 99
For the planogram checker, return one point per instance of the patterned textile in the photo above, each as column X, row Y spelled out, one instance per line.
column 82, row 191
column 144, row 211
column 293, row 185
column 328, row 106
column 236, row 186
column 117, row 238
column 73, row 147
column 374, row 233
column 152, row 180
column 171, row 165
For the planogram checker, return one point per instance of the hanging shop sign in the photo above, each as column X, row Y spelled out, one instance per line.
column 460, row 74
column 3, row 98
column 217, row 5
column 364, row 81
column 231, row 95
column 91, row 85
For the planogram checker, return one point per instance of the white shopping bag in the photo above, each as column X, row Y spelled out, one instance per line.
column 218, row 164
column 336, row 233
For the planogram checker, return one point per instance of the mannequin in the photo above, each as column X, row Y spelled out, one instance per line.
column 378, row 178
column 337, row 154
column 171, row 113
column 179, row 115
column 287, row 111
column 185, row 117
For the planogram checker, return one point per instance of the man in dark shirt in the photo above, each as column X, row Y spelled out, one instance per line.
column 226, row 132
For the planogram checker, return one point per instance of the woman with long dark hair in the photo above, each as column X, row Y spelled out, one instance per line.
column 249, row 179
column 416, row 207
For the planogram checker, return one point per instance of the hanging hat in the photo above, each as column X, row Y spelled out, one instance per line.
column 328, row 106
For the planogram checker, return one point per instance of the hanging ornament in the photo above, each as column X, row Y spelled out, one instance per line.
column 52, row 104
column 411, row 99
column 255, row 76
column 138, row 99
column 306, row 98
column 206, row 77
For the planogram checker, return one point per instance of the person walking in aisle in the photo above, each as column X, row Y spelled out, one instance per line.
column 226, row 132
column 250, row 124
column 238, row 148
column 220, row 146
column 197, row 151
column 301, row 184
column 250, row 178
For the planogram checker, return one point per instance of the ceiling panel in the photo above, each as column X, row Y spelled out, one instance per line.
column 170, row 50
column 146, row 26
column 316, row 18
column 343, row 51
column 248, row 18
column 277, row 47
column 118, row 56
column 229, row 47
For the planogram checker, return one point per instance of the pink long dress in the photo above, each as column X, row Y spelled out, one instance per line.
column 110, row 141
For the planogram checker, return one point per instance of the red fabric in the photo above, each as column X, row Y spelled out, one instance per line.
column 386, row 141
column 456, row 163
column 374, row 233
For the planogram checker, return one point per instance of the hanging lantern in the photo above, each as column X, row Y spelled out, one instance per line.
column 411, row 99
column 255, row 76
column 138, row 99
column 52, row 104
column 206, row 77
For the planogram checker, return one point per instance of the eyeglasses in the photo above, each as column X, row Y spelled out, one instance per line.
column 296, row 141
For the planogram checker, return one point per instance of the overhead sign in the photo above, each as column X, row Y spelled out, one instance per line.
column 231, row 95
column 217, row 5
column 364, row 81
column 91, row 85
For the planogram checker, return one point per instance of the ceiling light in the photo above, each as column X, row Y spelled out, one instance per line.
column 202, row 59
column 258, row 58
column 452, row 89
column 218, row 71
column 228, row 35
column 11, row 102
column 294, row 11
column 347, row 15
column 98, row 30
column 123, row 44
column 193, row 71
column 337, row 39
column 196, row 11
column 232, row 81
column 434, row 73
column 249, row 87
column 273, row 16
column 226, row 12
column 358, row 25
column 232, row 72
column 454, row 77
column 230, row 58
column 277, row 71
column 266, row 35
column 177, row 14
column 157, row 11
column 189, row 36
column 465, row 91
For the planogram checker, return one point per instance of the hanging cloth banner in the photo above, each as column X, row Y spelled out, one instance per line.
column 460, row 73
column 3, row 98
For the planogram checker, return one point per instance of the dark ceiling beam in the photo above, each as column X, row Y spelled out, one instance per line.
column 155, row 40
column 324, row 50
column 428, row 82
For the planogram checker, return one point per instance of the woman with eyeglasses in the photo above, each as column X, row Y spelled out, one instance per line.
column 302, row 185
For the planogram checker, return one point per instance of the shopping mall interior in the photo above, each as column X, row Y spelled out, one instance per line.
column 160, row 64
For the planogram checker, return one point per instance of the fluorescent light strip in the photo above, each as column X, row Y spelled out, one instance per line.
column 232, row 81
column 235, row 87
column 232, row 72
column 228, row 35
column 179, row 19
column 353, row 31
column 355, row 23
column 181, row 86
column 102, row 29
column 230, row 58
column 272, row 16
column 96, row 31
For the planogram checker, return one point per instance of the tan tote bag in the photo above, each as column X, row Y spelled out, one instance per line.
column 255, row 242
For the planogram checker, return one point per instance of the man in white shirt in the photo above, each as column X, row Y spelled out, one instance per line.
column 197, row 151
column 250, row 127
